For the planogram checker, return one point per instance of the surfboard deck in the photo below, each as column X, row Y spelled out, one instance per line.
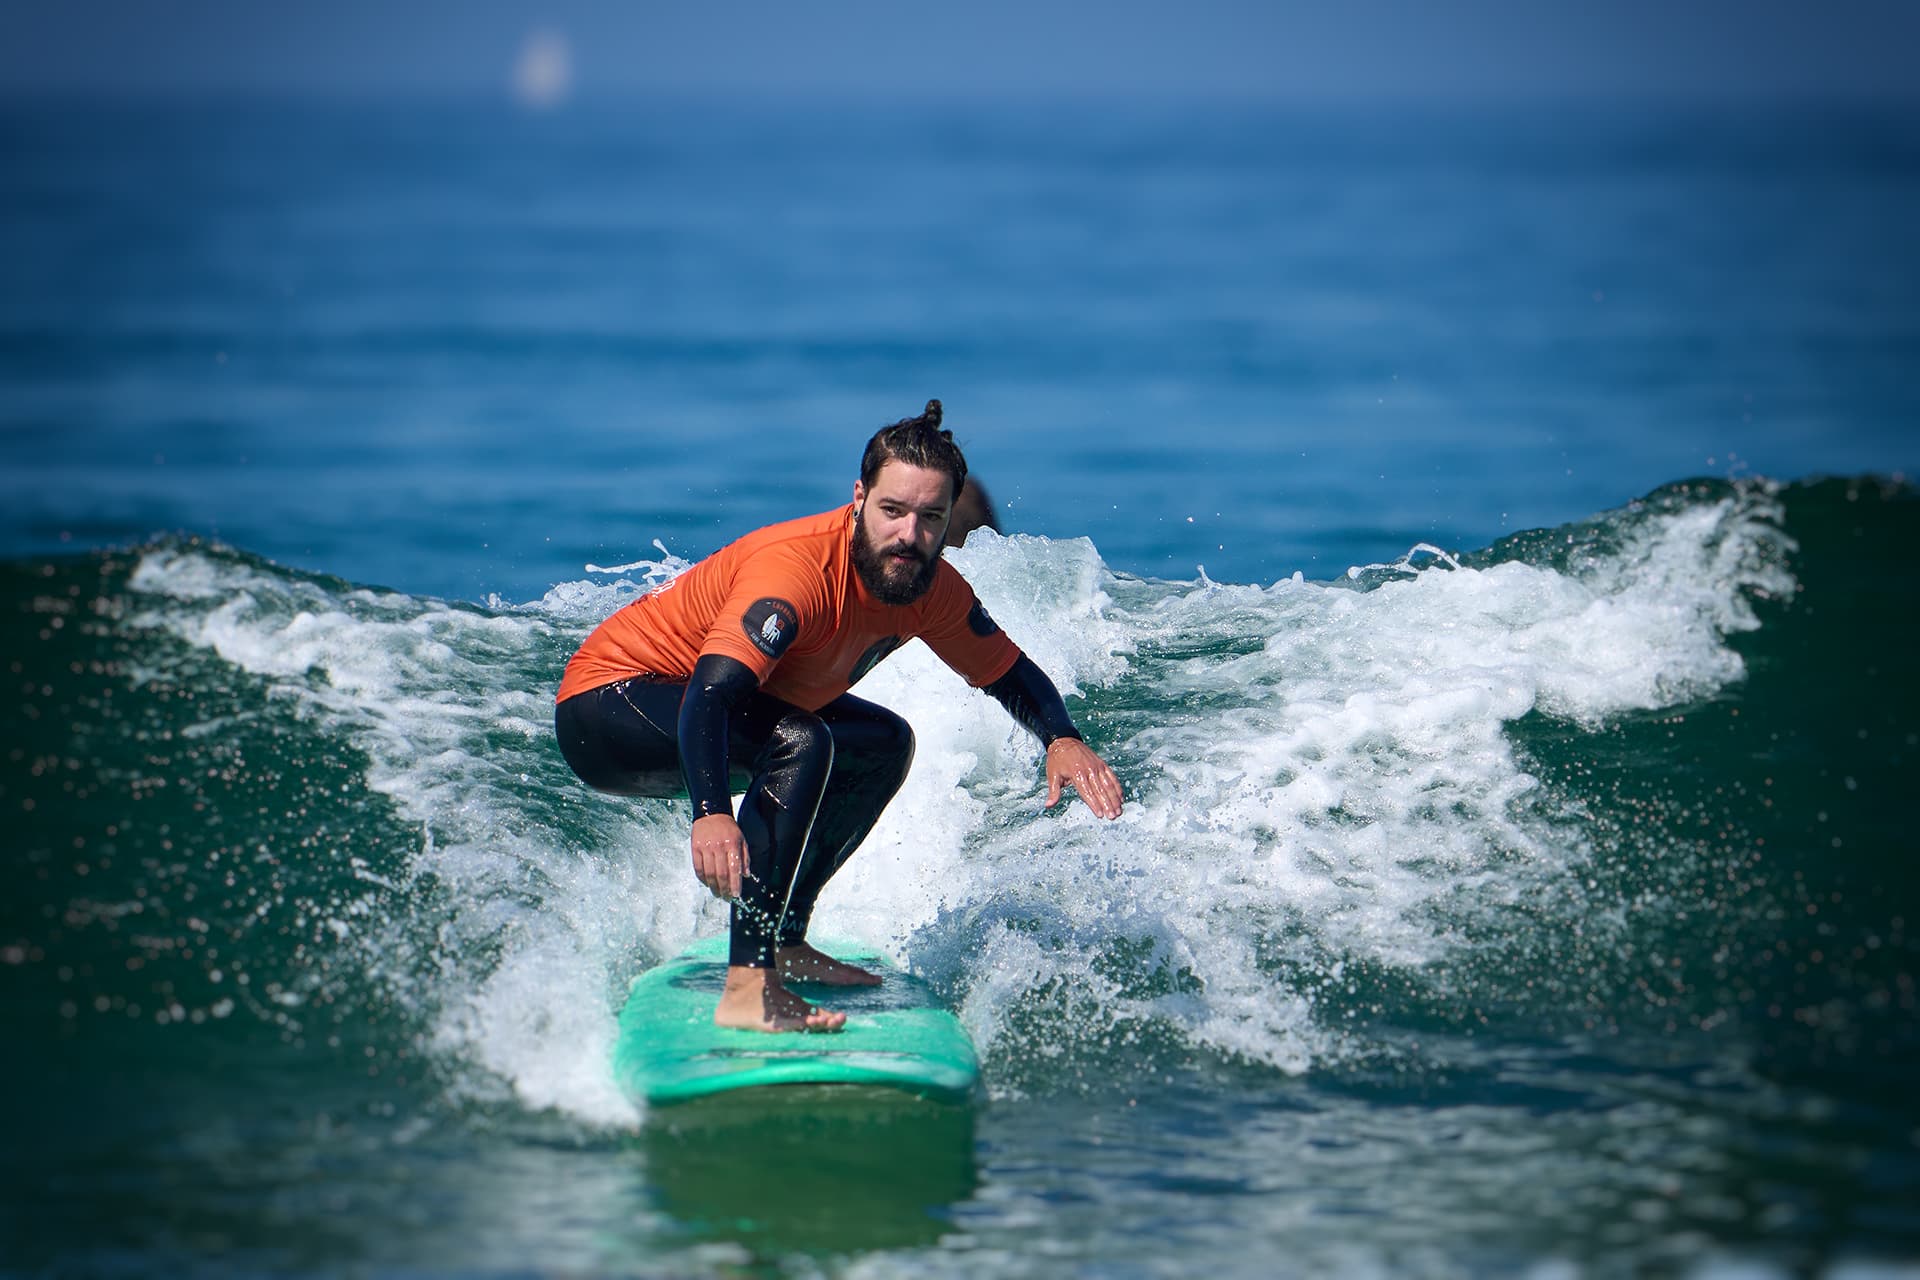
column 897, row 1036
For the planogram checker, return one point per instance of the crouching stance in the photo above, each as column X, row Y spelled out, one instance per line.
column 734, row 676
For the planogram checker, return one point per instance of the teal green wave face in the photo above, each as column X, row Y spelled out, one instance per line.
column 253, row 803
column 1606, row 812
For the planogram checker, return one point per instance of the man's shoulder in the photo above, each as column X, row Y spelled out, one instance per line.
column 803, row 551
column 949, row 594
column 824, row 525
column 808, row 539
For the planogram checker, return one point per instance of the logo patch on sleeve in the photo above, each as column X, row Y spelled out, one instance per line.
column 980, row 622
column 771, row 625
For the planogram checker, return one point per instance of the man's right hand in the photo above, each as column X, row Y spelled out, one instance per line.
column 719, row 855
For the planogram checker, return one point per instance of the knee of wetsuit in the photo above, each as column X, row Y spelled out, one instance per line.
column 801, row 736
column 878, row 747
column 886, row 750
column 899, row 743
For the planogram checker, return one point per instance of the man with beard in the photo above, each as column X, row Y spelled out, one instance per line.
column 741, row 666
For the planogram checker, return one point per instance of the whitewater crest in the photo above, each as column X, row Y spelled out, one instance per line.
column 1318, row 778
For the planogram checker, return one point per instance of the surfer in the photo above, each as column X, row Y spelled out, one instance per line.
column 740, row 667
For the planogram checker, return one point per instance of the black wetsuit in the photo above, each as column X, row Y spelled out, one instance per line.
column 815, row 781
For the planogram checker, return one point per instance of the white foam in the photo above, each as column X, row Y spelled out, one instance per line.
column 1326, row 780
column 428, row 691
column 1317, row 777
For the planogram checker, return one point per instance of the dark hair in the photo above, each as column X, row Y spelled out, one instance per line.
column 918, row 442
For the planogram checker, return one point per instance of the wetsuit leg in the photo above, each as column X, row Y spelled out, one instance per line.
column 873, row 748
column 777, row 815
column 622, row 739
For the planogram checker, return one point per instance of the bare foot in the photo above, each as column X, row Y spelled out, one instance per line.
column 754, row 1000
column 803, row 963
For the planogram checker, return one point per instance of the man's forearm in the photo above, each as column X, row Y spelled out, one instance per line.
column 716, row 684
column 1030, row 698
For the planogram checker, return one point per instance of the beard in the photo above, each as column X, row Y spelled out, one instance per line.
column 889, row 580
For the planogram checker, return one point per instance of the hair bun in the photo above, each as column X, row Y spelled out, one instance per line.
column 932, row 414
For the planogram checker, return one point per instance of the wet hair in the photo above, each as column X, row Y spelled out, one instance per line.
column 918, row 442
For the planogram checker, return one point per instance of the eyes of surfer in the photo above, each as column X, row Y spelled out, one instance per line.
column 931, row 516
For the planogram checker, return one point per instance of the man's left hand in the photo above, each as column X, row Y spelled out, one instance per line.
column 1070, row 760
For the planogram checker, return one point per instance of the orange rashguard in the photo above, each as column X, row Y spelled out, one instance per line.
column 785, row 601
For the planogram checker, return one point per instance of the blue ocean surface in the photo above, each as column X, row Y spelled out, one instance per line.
column 1479, row 540
column 468, row 351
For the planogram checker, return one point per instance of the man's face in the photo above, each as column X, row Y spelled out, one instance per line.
column 897, row 534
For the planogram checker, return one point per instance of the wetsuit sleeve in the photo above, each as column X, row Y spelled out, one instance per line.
column 1030, row 698
column 716, row 684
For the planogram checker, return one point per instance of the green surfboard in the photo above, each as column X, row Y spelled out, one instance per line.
column 897, row 1036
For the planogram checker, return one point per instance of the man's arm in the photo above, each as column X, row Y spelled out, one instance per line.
column 719, row 850
column 1031, row 699
column 754, row 626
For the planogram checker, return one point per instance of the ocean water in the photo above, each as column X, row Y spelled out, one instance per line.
column 1480, row 543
